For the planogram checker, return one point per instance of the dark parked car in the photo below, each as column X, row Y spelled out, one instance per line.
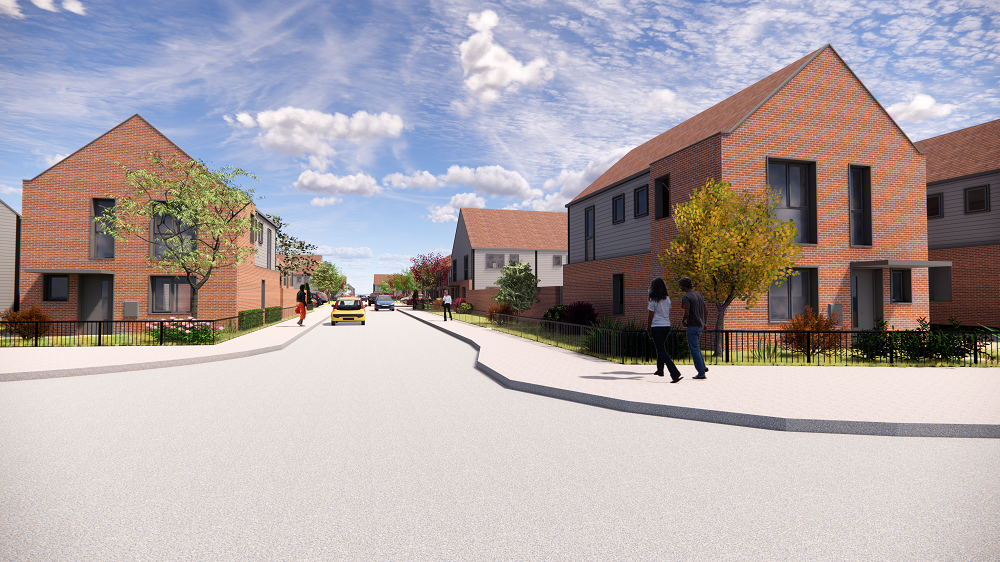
column 322, row 298
column 384, row 301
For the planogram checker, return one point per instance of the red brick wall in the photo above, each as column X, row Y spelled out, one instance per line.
column 56, row 230
column 975, row 286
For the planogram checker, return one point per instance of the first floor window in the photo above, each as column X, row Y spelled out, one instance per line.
column 103, row 244
column 171, row 294
column 935, row 205
column 556, row 261
column 661, row 196
column 618, row 209
column 465, row 267
column 900, row 280
column 641, row 201
column 792, row 182
column 793, row 296
column 454, row 270
column 515, row 258
column 977, row 199
column 494, row 261
column 56, row 288
column 588, row 234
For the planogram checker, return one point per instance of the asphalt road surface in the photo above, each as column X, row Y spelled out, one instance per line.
column 382, row 442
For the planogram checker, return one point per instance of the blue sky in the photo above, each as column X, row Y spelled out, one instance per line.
column 370, row 123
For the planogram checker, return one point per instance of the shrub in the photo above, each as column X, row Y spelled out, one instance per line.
column 25, row 323
column 189, row 331
column 465, row 308
column 250, row 319
column 918, row 345
column 555, row 314
column 581, row 313
column 460, row 301
column 807, row 321
column 630, row 340
column 272, row 314
column 499, row 308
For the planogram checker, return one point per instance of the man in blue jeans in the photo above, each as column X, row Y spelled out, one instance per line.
column 694, row 318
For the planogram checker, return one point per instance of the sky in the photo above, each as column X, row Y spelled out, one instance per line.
column 370, row 123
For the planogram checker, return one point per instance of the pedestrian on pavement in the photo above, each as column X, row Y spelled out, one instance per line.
column 300, row 303
column 446, row 303
column 659, row 327
column 694, row 318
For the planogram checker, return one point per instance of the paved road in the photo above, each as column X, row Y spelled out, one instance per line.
column 383, row 442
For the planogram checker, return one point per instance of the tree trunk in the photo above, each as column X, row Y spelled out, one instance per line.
column 720, row 323
column 194, row 301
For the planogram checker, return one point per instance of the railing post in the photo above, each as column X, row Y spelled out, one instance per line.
column 36, row 333
column 161, row 332
column 100, row 332
column 727, row 345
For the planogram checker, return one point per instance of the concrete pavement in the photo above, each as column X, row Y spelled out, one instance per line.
column 895, row 401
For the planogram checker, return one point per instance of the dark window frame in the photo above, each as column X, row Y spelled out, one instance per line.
column 589, row 233
column 616, row 210
column 903, row 280
column 47, row 287
column 176, row 280
column 940, row 199
column 96, row 230
column 644, row 198
column 939, row 284
column 986, row 192
column 810, row 210
column 175, row 224
column 465, row 265
column 454, row 270
column 557, row 261
column 864, row 214
column 491, row 260
column 516, row 258
column 812, row 292
column 661, row 197
column 618, row 294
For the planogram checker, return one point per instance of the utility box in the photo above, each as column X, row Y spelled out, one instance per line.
column 838, row 309
column 130, row 309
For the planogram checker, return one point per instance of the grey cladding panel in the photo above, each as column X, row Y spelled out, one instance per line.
column 611, row 239
column 955, row 228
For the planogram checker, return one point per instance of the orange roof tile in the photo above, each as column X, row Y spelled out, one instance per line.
column 722, row 117
column 963, row 152
column 506, row 228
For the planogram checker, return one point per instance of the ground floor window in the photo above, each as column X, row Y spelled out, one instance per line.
column 901, row 280
column 56, row 288
column 794, row 295
column 171, row 294
column 618, row 293
column 939, row 283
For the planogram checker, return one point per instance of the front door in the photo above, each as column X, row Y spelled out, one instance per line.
column 96, row 295
column 862, row 299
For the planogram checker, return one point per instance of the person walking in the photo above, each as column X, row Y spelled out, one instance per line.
column 659, row 327
column 446, row 303
column 300, row 303
column 694, row 318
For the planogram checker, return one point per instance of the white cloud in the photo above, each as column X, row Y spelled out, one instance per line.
column 324, row 201
column 920, row 107
column 393, row 257
column 968, row 23
column 489, row 68
column 665, row 101
column 363, row 252
column 491, row 180
column 54, row 159
column 45, row 5
column 330, row 184
column 311, row 133
column 10, row 8
column 8, row 190
column 449, row 212
column 74, row 6
column 416, row 180
column 571, row 182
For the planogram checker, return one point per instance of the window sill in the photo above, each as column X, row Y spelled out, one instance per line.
column 101, row 259
column 863, row 246
column 640, row 216
column 900, row 302
column 808, row 244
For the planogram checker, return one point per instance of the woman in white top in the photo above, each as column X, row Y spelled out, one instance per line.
column 659, row 327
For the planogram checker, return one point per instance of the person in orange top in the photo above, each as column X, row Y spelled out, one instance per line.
column 300, row 303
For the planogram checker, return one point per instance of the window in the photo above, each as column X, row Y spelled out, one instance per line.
column 618, row 209
column 556, row 261
column 494, row 261
column 977, row 199
column 794, row 295
column 170, row 235
column 465, row 267
column 618, row 293
column 588, row 233
column 102, row 244
column 662, row 196
column 260, row 232
column 939, row 283
column 860, row 197
column 514, row 258
column 640, row 200
column 792, row 182
column 935, row 206
column 56, row 288
column 900, row 280
column 171, row 294
column 454, row 270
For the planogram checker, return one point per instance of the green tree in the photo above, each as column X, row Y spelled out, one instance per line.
column 398, row 283
column 295, row 255
column 731, row 244
column 200, row 218
column 328, row 278
column 518, row 286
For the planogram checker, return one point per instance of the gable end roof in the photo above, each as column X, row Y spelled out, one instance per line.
column 965, row 152
column 509, row 228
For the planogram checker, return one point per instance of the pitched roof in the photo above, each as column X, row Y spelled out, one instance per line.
column 506, row 228
column 380, row 277
column 964, row 152
column 723, row 117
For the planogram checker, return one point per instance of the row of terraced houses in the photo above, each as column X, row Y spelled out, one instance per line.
column 889, row 228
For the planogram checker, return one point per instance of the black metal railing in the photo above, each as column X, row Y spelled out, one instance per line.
column 761, row 347
column 172, row 331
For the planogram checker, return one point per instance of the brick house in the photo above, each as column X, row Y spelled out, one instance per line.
column 488, row 239
column 377, row 281
column 963, row 180
column 849, row 176
column 74, row 271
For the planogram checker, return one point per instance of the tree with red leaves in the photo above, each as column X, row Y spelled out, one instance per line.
column 430, row 270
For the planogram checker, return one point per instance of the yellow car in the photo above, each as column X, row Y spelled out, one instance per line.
column 347, row 309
